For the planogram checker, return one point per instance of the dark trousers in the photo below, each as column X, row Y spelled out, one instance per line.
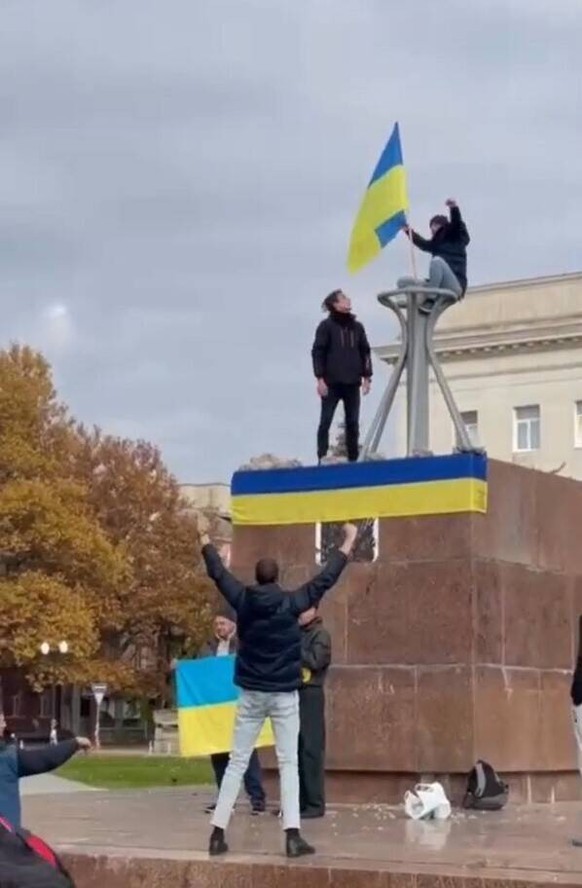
column 253, row 778
column 312, row 750
column 350, row 395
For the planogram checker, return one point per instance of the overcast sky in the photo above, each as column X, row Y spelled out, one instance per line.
column 178, row 180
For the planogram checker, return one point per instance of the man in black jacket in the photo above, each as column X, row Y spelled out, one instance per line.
column 268, row 670
column 315, row 660
column 224, row 644
column 448, row 247
column 342, row 365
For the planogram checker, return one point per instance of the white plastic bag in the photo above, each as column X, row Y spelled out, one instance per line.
column 427, row 801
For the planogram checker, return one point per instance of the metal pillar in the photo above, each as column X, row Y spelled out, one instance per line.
column 417, row 355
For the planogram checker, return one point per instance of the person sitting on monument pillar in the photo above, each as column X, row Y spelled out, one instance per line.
column 448, row 248
column 342, row 365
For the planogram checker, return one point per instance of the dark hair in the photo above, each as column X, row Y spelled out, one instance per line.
column 330, row 301
column 439, row 220
column 266, row 571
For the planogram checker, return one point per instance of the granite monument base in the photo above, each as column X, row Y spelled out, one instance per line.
column 457, row 643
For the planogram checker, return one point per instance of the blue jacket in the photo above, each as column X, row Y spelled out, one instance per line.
column 269, row 637
column 16, row 763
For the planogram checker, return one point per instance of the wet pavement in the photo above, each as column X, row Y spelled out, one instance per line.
column 532, row 842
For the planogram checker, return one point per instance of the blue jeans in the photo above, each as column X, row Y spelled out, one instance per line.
column 440, row 275
column 253, row 709
column 253, row 778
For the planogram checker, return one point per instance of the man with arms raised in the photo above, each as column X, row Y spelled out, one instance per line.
column 268, row 670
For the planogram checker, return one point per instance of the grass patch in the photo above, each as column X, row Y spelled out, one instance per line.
column 137, row 771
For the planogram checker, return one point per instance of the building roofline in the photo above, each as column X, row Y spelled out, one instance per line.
column 203, row 484
column 521, row 282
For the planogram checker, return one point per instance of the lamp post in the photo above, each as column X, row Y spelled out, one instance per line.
column 60, row 649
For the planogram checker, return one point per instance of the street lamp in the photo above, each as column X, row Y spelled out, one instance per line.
column 61, row 648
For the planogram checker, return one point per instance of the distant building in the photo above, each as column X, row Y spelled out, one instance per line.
column 211, row 498
column 512, row 353
column 213, row 501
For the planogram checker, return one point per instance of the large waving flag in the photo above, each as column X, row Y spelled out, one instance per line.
column 207, row 698
column 383, row 211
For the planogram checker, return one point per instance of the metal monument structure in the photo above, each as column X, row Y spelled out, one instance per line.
column 417, row 355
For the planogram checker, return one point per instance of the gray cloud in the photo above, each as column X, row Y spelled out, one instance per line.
column 183, row 177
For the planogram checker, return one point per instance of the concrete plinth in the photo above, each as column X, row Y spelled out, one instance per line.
column 456, row 644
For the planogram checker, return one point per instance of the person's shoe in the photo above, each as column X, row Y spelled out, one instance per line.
column 312, row 814
column 217, row 843
column 258, row 808
column 296, row 846
column 577, row 843
column 210, row 809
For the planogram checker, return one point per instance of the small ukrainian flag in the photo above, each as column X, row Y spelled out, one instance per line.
column 383, row 211
column 207, row 698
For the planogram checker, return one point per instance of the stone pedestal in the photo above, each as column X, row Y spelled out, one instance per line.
column 456, row 644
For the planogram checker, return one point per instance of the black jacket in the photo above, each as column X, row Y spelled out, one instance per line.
column 315, row 653
column 210, row 648
column 450, row 243
column 341, row 351
column 269, row 637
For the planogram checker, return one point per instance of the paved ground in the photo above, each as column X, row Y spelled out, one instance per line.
column 50, row 784
column 533, row 841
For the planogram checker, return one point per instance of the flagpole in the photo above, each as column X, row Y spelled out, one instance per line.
column 412, row 253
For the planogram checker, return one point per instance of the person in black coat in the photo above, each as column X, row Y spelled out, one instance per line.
column 268, row 671
column 342, row 365
column 315, row 660
column 448, row 248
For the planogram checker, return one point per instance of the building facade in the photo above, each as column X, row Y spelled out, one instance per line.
column 512, row 354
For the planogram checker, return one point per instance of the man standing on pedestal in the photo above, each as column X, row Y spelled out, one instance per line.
column 315, row 661
column 342, row 365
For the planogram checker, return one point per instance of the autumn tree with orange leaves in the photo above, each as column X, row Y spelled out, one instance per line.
column 165, row 608
column 57, row 566
column 96, row 546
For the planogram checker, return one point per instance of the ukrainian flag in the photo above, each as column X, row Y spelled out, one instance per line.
column 207, row 698
column 383, row 211
column 433, row 485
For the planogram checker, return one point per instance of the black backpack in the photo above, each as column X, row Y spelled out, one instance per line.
column 26, row 861
column 485, row 789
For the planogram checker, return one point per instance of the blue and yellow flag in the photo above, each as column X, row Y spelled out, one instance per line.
column 383, row 211
column 432, row 485
column 207, row 697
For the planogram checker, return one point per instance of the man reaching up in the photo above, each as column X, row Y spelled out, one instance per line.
column 268, row 669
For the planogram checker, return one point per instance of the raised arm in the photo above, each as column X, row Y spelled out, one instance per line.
column 457, row 226
column 310, row 594
column 229, row 587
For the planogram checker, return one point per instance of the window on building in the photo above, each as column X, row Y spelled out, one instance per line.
column 471, row 421
column 578, row 424
column 526, row 428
